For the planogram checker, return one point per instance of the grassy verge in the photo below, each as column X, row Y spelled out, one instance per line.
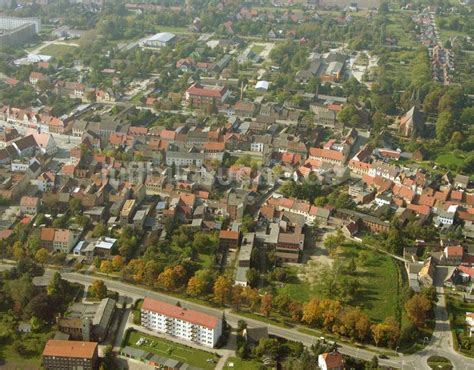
column 239, row 364
column 438, row 362
column 457, row 309
column 162, row 347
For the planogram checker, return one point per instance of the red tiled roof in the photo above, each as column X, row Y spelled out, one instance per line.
column 207, row 91
column 5, row 234
column 47, row 234
column 229, row 234
column 333, row 360
column 326, row 153
column 166, row 309
column 214, row 146
column 420, row 209
column 454, row 250
column 66, row 348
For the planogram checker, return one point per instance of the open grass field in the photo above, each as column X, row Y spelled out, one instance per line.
column 238, row 364
column 378, row 278
column 178, row 30
column 176, row 351
column 395, row 29
column 59, row 51
column 447, row 159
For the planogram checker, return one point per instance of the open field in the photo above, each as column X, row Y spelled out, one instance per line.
column 176, row 351
column 58, row 51
column 447, row 159
column 378, row 278
column 178, row 30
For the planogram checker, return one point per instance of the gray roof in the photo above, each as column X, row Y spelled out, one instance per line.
column 133, row 352
column 104, row 313
column 162, row 37
column 241, row 274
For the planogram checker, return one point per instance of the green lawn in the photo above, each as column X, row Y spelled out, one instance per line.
column 257, row 48
column 238, row 364
column 447, row 159
column 181, row 30
column 166, row 348
column 378, row 293
column 59, row 51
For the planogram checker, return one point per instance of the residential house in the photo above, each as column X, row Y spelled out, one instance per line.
column 29, row 205
column 331, row 361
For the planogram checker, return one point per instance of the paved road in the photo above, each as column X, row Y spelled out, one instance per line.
column 440, row 344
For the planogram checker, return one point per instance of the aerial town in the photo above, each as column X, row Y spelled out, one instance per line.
column 218, row 184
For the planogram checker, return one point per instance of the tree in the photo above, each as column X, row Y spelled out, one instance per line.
column 252, row 276
column 98, row 289
column 196, row 286
column 117, row 262
column 266, row 304
column 42, row 256
column 268, row 347
column 386, row 332
column 56, row 286
column 106, row 267
column 331, row 242
column 90, row 96
column 444, row 127
column 222, row 289
column 99, row 230
column 418, row 308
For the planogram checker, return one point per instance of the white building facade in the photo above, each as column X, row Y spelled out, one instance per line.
column 189, row 325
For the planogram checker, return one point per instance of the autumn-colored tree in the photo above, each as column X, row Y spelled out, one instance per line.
column 312, row 312
column 134, row 270
column 266, row 304
column 296, row 310
column 98, row 289
column 166, row 279
column 42, row 256
column 353, row 323
column 236, row 296
column 281, row 303
column 251, row 298
column 18, row 251
column 222, row 289
column 117, row 262
column 106, row 267
column 196, row 286
column 386, row 333
column 150, row 272
column 418, row 308
column 330, row 312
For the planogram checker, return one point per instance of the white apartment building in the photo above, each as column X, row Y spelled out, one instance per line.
column 193, row 326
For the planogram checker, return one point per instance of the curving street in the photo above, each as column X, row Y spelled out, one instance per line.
column 440, row 343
